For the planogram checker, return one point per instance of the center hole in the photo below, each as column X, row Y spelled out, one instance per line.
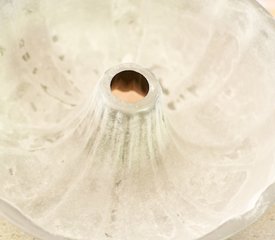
column 129, row 86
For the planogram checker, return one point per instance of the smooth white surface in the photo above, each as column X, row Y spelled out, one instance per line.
column 201, row 157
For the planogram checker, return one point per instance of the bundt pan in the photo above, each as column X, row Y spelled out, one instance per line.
column 193, row 158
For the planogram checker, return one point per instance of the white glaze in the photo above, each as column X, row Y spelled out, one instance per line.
column 76, row 168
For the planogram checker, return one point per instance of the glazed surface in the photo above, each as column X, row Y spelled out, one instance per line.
column 79, row 169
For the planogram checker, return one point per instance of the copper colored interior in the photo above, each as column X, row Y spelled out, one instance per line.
column 129, row 86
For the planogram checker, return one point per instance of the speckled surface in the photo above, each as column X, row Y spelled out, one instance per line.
column 264, row 229
column 10, row 232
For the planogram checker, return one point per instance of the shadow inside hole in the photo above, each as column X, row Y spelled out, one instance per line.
column 129, row 86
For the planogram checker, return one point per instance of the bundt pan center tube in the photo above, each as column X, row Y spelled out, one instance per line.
column 130, row 75
column 132, row 120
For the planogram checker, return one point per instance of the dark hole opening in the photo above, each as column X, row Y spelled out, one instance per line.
column 129, row 86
